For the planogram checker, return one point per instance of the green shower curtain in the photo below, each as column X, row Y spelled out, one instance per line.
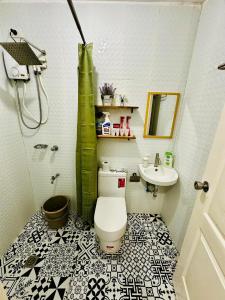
column 86, row 152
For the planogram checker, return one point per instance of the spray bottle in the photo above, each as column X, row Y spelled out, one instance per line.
column 106, row 125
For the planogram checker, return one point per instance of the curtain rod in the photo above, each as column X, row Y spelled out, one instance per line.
column 221, row 67
column 70, row 3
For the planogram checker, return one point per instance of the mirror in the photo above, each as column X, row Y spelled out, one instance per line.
column 161, row 112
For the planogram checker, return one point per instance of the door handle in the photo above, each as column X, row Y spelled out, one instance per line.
column 201, row 186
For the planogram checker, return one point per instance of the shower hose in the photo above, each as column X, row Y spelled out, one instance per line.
column 22, row 107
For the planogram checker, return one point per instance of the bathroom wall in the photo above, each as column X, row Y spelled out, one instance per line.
column 139, row 47
column 16, row 201
column 33, row 21
column 204, row 99
column 143, row 47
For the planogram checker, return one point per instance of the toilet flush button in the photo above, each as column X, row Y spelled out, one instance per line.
column 121, row 182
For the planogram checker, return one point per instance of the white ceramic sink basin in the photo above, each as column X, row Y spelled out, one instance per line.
column 160, row 175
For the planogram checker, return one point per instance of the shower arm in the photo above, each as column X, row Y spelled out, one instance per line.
column 43, row 52
column 70, row 3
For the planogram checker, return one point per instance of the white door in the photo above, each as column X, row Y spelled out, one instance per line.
column 200, row 273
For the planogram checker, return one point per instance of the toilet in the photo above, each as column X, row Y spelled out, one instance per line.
column 110, row 219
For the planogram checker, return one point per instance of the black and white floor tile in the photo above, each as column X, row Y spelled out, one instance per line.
column 71, row 266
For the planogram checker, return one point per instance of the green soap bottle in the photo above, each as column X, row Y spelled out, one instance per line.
column 168, row 159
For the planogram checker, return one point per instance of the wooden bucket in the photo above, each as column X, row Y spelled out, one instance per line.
column 56, row 211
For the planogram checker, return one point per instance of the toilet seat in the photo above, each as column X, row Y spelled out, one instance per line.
column 110, row 218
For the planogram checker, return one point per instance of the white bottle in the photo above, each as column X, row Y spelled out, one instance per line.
column 106, row 125
column 145, row 160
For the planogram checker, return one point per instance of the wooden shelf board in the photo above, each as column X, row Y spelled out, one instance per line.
column 117, row 137
column 116, row 106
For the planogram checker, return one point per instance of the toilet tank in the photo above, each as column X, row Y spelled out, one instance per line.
column 111, row 183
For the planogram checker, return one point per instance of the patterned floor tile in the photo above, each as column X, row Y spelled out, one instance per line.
column 71, row 266
column 57, row 288
column 78, row 287
column 60, row 261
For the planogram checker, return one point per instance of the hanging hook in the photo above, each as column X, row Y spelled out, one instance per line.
column 13, row 32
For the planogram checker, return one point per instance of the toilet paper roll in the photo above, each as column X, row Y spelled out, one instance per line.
column 105, row 166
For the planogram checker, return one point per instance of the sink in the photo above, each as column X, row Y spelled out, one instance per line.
column 160, row 175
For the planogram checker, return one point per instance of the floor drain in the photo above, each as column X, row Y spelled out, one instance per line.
column 31, row 261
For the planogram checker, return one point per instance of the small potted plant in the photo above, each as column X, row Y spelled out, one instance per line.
column 107, row 93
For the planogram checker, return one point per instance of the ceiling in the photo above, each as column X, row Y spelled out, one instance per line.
column 147, row 1
column 161, row 1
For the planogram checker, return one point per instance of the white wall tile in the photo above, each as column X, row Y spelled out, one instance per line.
column 149, row 49
column 138, row 47
column 16, row 202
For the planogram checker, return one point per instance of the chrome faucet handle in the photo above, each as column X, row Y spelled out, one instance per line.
column 41, row 146
column 157, row 160
column 55, row 148
column 53, row 178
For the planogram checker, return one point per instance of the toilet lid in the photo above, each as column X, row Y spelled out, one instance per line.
column 110, row 213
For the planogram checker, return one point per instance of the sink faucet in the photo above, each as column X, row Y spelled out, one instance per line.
column 157, row 160
column 53, row 178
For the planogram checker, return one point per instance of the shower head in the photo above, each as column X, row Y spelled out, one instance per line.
column 22, row 53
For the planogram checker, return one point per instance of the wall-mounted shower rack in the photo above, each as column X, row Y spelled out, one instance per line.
column 133, row 137
column 116, row 107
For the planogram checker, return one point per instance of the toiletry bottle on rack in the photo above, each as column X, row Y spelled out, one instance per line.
column 115, row 131
column 122, row 126
column 106, row 125
column 127, row 130
column 99, row 121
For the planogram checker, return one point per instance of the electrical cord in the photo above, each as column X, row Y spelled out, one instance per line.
column 20, row 108
column 46, row 98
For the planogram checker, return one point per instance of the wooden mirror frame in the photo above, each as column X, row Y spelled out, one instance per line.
column 148, row 113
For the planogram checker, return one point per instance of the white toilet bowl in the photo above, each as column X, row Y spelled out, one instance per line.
column 110, row 222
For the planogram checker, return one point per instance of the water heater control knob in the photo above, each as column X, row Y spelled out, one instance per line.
column 14, row 72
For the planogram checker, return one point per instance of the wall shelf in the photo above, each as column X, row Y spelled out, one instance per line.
column 116, row 137
column 116, row 107
column 131, row 107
